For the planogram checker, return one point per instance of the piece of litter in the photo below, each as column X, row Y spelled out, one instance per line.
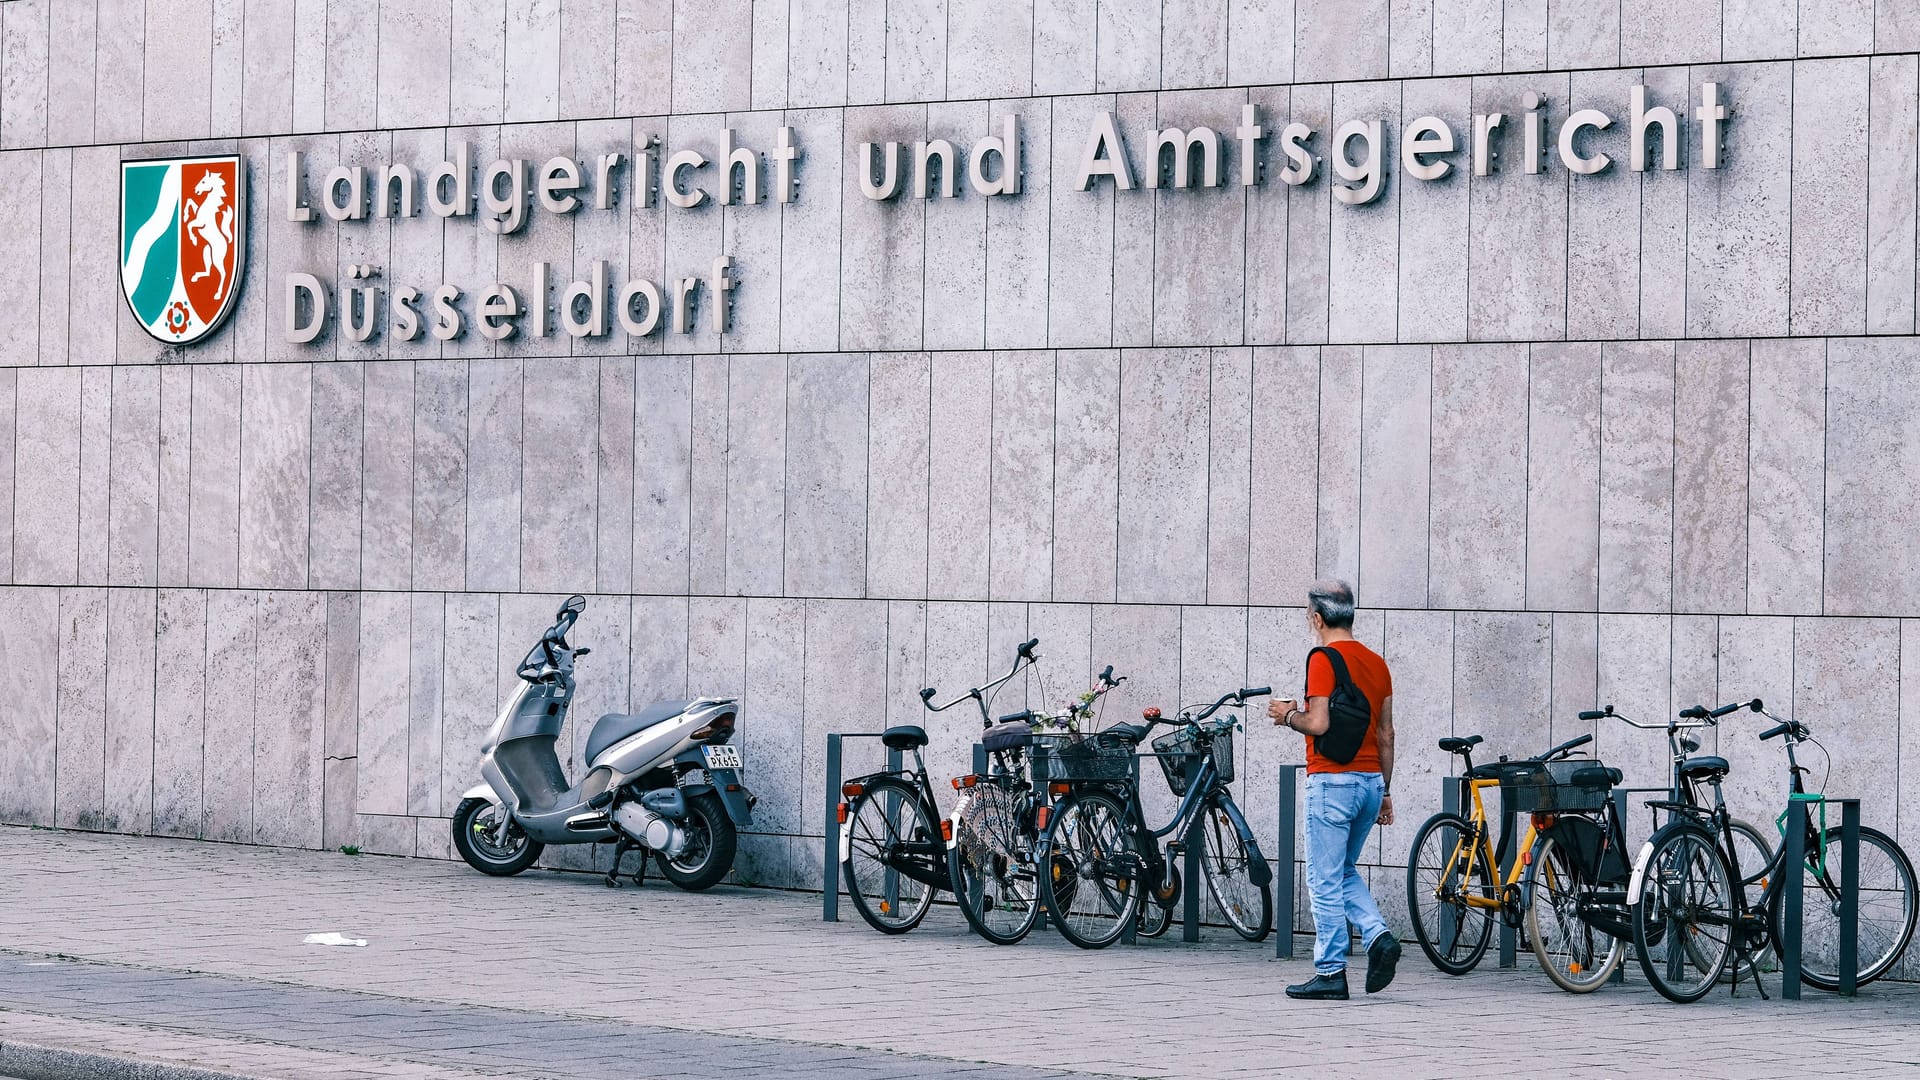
column 332, row 937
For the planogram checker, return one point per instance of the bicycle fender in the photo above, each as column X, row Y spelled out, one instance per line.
column 959, row 811
column 1638, row 881
column 1258, row 872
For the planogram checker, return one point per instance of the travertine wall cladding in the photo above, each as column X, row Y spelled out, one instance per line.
column 1641, row 438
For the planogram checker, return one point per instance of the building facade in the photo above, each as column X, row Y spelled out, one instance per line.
column 833, row 348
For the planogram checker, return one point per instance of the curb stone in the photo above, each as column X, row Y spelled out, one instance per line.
column 33, row 1061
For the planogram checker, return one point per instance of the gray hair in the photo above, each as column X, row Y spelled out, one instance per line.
column 1334, row 602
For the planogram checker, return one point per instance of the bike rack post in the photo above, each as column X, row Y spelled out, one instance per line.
column 979, row 760
column 1509, row 937
column 830, row 826
column 1619, row 797
column 1792, row 918
column 1190, row 883
column 1453, row 797
column 830, row 848
column 1793, row 896
column 1284, row 873
column 1849, row 897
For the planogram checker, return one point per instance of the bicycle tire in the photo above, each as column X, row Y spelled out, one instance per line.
column 991, row 865
column 891, row 902
column 1226, row 862
column 1819, row 965
column 1687, row 891
column 1570, row 960
column 1090, row 846
column 1431, row 912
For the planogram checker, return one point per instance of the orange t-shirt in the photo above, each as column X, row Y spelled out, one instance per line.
column 1368, row 672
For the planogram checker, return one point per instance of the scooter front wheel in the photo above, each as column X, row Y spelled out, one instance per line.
column 711, row 840
column 488, row 838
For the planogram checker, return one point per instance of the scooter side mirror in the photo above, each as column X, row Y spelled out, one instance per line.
column 575, row 605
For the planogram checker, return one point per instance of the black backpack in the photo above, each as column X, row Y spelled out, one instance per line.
column 1349, row 713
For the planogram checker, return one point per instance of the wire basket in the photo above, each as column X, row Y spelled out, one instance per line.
column 1095, row 758
column 1179, row 753
column 1546, row 787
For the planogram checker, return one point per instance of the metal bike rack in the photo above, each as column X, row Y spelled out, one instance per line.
column 830, row 847
column 1284, row 874
column 1793, row 895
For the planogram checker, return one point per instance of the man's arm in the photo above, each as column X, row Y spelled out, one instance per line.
column 1313, row 719
column 1383, row 738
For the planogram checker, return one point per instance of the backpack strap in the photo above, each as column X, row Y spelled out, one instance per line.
column 1341, row 677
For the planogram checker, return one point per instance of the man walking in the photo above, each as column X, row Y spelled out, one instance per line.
column 1347, row 717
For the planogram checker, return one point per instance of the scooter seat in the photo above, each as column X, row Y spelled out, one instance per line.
column 613, row 727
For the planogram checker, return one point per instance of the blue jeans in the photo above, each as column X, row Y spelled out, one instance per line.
column 1341, row 811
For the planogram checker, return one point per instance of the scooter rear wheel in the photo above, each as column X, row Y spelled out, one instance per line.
column 710, row 847
column 486, row 836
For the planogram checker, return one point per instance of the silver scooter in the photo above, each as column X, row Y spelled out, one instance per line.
column 664, row 780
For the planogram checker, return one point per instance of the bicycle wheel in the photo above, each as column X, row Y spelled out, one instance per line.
column 1446, row 869
column 991, row 861
column 1887, row 909
column 1092, row 889
column 1227, row 865
column 890, row 856
column 1683, row 925
column 1153, row 920
column 1578, row 957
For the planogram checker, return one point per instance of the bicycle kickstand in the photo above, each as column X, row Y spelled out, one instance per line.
column 1745, row 954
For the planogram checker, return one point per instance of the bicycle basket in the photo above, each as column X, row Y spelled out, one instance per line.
column 1094, row 758
column 1179, row 755
column 1546, row 787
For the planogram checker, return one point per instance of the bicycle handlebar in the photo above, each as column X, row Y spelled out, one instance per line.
column 1564, row 748
column 1024, row 657
column 1238, row 697
column 1596, row 714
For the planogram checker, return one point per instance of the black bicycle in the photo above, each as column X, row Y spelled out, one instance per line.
column 1691, row 920
column 894, row 845
column 1105, row 867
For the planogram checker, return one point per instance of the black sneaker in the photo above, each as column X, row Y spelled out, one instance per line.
column 1321, row 988
column 1382, row 957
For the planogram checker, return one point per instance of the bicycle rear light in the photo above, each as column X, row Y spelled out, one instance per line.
column 946, row 829
column 1543, row 822
column 852, row 789
column 843, row 813
column 1042, row 816
column 1058, row 790
column 962, row 782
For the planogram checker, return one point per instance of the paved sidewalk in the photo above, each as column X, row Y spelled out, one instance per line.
column 198, row 945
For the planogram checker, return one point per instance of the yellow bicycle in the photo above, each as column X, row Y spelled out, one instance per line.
column 1456, row 886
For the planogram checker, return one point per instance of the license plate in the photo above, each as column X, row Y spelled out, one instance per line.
column 722, row 757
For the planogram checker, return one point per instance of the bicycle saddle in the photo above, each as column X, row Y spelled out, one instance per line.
column 1461, row 745
column 1007, row 735
column 904, row 737
column 1596, row 777
column 1132, row 734
column 1705, row 767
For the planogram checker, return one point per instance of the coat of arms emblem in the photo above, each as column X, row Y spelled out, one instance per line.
column 183, row 242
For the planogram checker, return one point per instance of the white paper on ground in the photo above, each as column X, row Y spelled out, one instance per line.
column 333, row 937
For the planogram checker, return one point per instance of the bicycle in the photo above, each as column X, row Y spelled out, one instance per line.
column 1755, row 849
column 1452, row 892
column 893, row 855
column 1689, row 921
column 992, row 832
column 1103, row 859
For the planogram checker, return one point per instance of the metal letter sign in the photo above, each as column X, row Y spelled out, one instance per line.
column 183, row 243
